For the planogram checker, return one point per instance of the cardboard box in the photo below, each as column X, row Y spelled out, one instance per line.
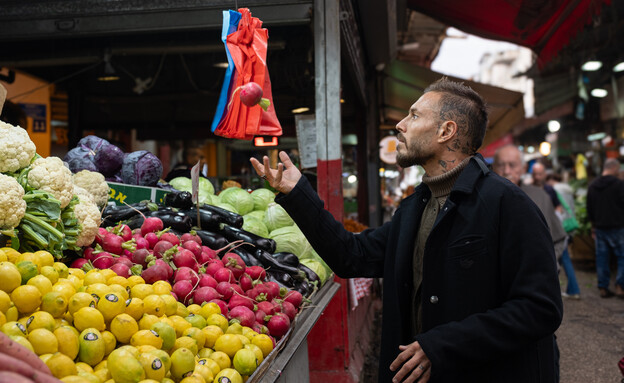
column 122, row 194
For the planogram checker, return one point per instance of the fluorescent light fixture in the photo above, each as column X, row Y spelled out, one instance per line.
column 544, row 148
column 220, row 65
column 619, row 67
column 599, row 92
column 553, row 126
column 591, row 65
column 300, row 110
column 596, row 136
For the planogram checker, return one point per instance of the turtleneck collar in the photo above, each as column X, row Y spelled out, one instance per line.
column 441, row 185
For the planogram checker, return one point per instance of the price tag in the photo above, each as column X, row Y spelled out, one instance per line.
column 195, row 182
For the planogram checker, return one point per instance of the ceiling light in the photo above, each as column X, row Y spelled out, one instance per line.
column 619, row 67
column 300, row 110
column 592, row 65
column 220, row 65
column 553, row 126
column 530, row 150
column 599, row 92
column 544, row 148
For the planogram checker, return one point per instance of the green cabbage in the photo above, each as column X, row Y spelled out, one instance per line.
column 226, row 206
column 206, row 186
column 276, row 217
column 262, row 198
column 254, row 225
column 318, row 268
column 181, row 183
column 258, row 214
column 289, row 239
column 207, row 198
column 238, row 198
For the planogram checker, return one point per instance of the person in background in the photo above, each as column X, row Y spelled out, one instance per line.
column 605, row 211
column 470, row 282
column 190, row 156
column 565, row 194
column 539, row 175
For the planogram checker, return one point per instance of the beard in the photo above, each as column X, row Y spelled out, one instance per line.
column 413, row 154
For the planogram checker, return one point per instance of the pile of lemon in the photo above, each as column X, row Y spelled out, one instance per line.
column 97, row 327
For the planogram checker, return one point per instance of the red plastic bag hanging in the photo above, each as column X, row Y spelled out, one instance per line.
column 248, row 48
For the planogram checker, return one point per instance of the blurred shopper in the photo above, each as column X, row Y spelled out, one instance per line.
column 539, row 175
column 190, row 156
column 565, row 194
column 470, row 283
column 605, row 211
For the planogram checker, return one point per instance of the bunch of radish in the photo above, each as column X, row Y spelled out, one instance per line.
column 197, row 273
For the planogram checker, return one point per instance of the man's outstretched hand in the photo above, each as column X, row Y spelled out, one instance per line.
column 282, row 179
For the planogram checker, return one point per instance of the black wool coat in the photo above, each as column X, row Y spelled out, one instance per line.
column 491, row 300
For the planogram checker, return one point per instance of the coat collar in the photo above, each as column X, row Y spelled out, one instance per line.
column 467, row 179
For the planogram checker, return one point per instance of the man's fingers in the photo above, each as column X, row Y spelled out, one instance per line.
column 280, row 172
column 259, row 168
column 285, row 160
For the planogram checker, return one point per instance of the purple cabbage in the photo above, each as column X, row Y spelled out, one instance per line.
column 93, row 142
column 109, row 159
column 141, row 168
column 80, row 158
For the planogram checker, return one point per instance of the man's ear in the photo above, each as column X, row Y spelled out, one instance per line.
column 447, row 131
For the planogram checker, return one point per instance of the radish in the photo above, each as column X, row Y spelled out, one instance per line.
column 139, row 257
column 112, row 243
column 264, row 291
column 103, row 261
column 278, row 325
column 289, row 309
column 88, row 254
column 190, row 237
column 183, row 290
column 152, row 239
column 205, row 294
column 237, row 289
column 141, row 243
column 203, row 258
column 260, row 328
column 256, row 295
column 294, row 297
column 155, row 273
column 251, row 95
column 223, row 275
column 170, row 237
column 213, row 266
column 102, row 232
column 267, row 307
column 245, row 282
column 243, row 315
column 161, row 247
column 260, row 317
column 235, row 263
column 164, row 265
column 240, row 300
column 193, row 247
column 124, row 261
column 207, row 280
column 225, row 289
column 186, row 273
column 274, row 288
column 211, row 253
column 222, row 305
column 78, row 263
column 151, row 225
column 256, row 272
column 121, row 269
column 123, row 231
column 184, row 258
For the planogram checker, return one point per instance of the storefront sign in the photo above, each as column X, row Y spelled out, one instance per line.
column 38, row 113
column 122, row 194
column 306, row 139
column 387, row 149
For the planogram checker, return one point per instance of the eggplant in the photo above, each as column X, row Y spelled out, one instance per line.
column 252, row 240
column 212, row 240
column 134, row 222
column 246, row 256
column 116, row 214
column 282, row 279
column 304, row 288
column 289, row 259
column 310, row 274
column 181, row 200
column 273, row 264
column 230, row 218
column 207, row 219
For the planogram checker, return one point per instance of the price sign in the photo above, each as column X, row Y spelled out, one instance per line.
column 195, row 182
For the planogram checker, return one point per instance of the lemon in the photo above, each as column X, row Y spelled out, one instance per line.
column 150, row 337
column 44, row 358
column 234, row 328
column 75, row 379
column 68, row 341
column 27, row 270
column 134, row 280
column 134, row 308
column 229, row 344
column 50, row 273
column 43, row 341
column 82, row 366
column 123, row 326
column 193, row 309
column 26, row 298
column 221, row 358
column 211, row 333
column 3, row 256
column 182, row 363
column 10, row 277
column 58, row 322
column 64, row 287
column 98, row 290
column 185, row 342
column 196, row 334
column 111, row 305
column 54, row 303
column 61, row 365
column 126, row 369
column 243, row 339
column 167, row 334
column 45, row 258
column 204, row 371
column 146, row 321
column 245, row 361
column 196, row 320
column 264, row 342
column 3, row 318
column 12, row 314
column 166, row 320
column 179, row 324
column 61, row 269
column 29, row 257
column 76, row 282
column 162, row 287
column 204, row 352
column 141, row 290
column 256, row 350
column 182, row 310
column 249, row 332
column 89, row 317
column 93, row 277
column 131, row 349
column 209, row 308
column 80, row 300
column 42, row 283
column 89, row 377
column 210, row 363
column 103, row 374
column 154, row 304
column 101, row 365
column 218, row 320
column 5, row 301
column 164, row 357
column 228, row 375
column 23, row 341
column 193, row 378
column 110, row 342
column 40, row 319
column 152, row 365
column 92, row 346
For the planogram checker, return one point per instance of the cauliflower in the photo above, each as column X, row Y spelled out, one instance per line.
column 88, row 216
column 51, row 175
column 95, row 183
column 12, row 204
column 16, row 148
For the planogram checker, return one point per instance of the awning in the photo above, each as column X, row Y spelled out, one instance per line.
column 404, row 83
column 544, row 26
